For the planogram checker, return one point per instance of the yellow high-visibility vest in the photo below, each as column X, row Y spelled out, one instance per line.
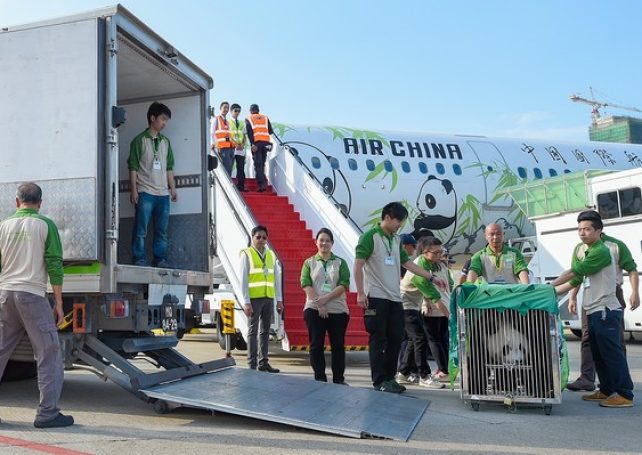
column 261, row 277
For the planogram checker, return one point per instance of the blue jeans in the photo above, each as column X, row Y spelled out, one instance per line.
column 156, row 207
column 605, row 332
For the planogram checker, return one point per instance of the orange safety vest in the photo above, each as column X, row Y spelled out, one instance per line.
column 222, row 133
column 259, row 124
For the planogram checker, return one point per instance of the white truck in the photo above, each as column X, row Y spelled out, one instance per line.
column 75, row 92
column 553, row 205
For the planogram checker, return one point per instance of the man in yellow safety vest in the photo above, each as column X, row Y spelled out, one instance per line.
column 261, row 283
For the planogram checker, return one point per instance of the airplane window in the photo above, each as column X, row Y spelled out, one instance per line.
column 566, row 171
column 352, row 164
column 607, row 205
column 537, row 172
column 489, row 168
column 440, row 169
column 457, row 169
column 552, row 172
column 630, row 201
column 387, row 165
column 521, row 172
column 316, row 162
column 370, row 165
column 423, row 168
column 334, row 163
column 405, row 166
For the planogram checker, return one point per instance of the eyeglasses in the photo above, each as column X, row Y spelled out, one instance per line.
column 236, row 110
column 435, row 252
column 260, row 237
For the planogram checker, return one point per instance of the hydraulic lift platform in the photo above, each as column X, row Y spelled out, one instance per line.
column 300, row 402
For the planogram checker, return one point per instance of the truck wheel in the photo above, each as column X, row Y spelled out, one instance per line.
column 240, row 342
column 221, row 336
column 577, row 332
column 18, row 371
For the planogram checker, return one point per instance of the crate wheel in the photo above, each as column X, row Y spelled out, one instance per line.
column 548, row 409
column 475, row 405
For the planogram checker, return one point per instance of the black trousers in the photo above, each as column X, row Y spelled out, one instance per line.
column 415, row 359
column 335, row 325
column 385, row 323
column 437, row 328
column 260, row 156
column 240, row 171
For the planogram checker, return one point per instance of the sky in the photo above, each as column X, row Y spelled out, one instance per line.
column 494, row 68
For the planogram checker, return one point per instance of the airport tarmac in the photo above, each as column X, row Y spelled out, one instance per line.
column 110, row 420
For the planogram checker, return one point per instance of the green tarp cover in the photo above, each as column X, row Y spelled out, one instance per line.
column 519, row 297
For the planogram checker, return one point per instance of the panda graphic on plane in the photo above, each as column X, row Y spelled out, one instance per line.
column 450, row 184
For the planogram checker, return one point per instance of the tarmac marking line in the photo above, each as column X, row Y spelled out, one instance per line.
column 39, row 447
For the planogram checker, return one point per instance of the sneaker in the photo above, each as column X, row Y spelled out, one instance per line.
column 616, row 401
column 389, row 386
column 411, row 378
column 59, row 421
column 268, row 368
column 581, row 384
column 595, row 396
column 163, row 264
column 441, row 376
column 431, row 383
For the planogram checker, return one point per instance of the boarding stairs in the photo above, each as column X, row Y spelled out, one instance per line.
column 294, row 207
column 294, row 243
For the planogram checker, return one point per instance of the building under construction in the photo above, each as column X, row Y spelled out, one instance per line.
column 623, row 129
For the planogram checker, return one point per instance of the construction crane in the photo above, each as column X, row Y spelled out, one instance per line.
column 597, row 105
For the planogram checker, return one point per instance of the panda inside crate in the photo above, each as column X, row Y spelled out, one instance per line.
column 508, row 353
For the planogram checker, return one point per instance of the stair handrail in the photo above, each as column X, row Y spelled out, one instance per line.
column 245, row 218
column 286, row 146
column 317, row 208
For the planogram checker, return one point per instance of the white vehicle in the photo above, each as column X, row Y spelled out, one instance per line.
column 553, row 206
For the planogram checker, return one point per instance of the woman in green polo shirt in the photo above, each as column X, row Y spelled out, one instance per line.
column 325, row 278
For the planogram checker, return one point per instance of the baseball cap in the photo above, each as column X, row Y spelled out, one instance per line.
column 407, row 239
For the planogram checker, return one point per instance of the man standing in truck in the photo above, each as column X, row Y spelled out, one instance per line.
column 151, row 175
column 30, row 250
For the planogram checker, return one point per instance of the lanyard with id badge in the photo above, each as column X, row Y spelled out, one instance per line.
column 327, row 279
column 389, row 260
column 156, row 164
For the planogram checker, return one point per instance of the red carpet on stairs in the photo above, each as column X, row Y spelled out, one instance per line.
column 294, row 243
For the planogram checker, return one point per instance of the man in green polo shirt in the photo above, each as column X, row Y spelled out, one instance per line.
column 624, row 259
column 376, row 270
column 593, row 267
column 498, row 263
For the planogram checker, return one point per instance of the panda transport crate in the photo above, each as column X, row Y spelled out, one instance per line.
column 508, row 347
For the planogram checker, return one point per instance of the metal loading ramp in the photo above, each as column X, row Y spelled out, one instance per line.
column 300, row 402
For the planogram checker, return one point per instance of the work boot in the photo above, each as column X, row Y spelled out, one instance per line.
column 616, row 401
column 595, row 396
column 60, row 420
column 268, row 368
column 581, row 384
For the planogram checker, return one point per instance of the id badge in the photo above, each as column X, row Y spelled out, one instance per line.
column 389, row 260
column 326, row 288
column 586, row 283
column 157, row 165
